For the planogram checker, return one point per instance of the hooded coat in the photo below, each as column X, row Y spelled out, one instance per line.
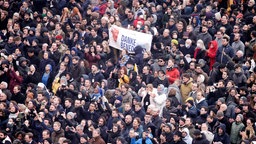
column 188, row 139
column 211, row 53
column 224, row 137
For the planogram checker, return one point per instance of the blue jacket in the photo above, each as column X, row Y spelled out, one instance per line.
column 201, row 103
column 224, row 58
column 139, row 141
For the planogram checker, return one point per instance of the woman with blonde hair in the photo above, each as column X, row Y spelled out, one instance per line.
column 123, row 77
column 200, row 51
column 65, row 15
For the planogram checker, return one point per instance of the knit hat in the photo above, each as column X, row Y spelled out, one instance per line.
column 174, row 41
column 58, row 37
column 241, row 117
column 169, row 125
column 71, row 114
column 196, row 132
column 190, row 102
column 222, row 100
column 40, row 85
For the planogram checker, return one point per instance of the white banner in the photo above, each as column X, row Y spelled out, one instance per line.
column 122, row 38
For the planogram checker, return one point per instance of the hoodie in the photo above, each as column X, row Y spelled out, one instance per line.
column 188, row 139
column 223, row 137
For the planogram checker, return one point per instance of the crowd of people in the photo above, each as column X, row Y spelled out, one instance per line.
column 61, row 82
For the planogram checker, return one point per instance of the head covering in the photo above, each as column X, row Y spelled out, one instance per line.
column 222, row 100
column 169, row 125
column 241, row 117
column 196, row 132
column 191, row 102
column 58, row 37
column 71, row 114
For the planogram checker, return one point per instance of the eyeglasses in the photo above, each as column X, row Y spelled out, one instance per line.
column 160, row 60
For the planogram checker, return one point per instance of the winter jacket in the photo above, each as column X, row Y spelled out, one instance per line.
column 140, row 141
column 224, row 137
column 211, row 53
column 201, row 103
column 239, row 79
column 56, row 135
column 185, row 89
column 172, row 74
column 201, row 140
column 96, row 77
column 235, row 136
column 224, row 54
column 158, row 81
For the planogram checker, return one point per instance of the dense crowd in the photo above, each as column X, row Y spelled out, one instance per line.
column 61, row 82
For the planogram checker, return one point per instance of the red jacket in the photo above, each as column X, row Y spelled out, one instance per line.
column 212, row 51
column 172, row 74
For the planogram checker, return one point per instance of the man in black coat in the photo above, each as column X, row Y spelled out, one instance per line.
column 199, row 138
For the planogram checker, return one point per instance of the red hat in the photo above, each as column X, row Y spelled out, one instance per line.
column 58, row 37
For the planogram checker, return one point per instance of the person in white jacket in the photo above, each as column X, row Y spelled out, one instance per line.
column 159, row 98
column 209, row 135
column 186, row 136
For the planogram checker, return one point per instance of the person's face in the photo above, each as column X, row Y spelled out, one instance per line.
column 185, row 79
column 67, row 104
column 74, row 61
column 15, row 90
column 93, row 33
column 26, row 16
column 179, row 26
column 147, row 118
column 128, row 119
column 92, row 107
column 170, row 63
column 176, row 138
column 160, row 62
column 101, row 122
column 224, row 42
column 137, row 108
column 199, row 95
column 204, row 29
column 224, row 75
column 166, row 33
column 220, row 131
column 27, row 139
column 56, row 127
column 114, row 114
column 10, row 40
column 135, row 123
column 204, row 127
column 238, row 118
column 95, row 134
column 83, row 140
column 237, row 37
column 94, row 68
column 45, row 135
column 224, row 19
column 220, row 84
column 145, row 70
column 202, row 111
